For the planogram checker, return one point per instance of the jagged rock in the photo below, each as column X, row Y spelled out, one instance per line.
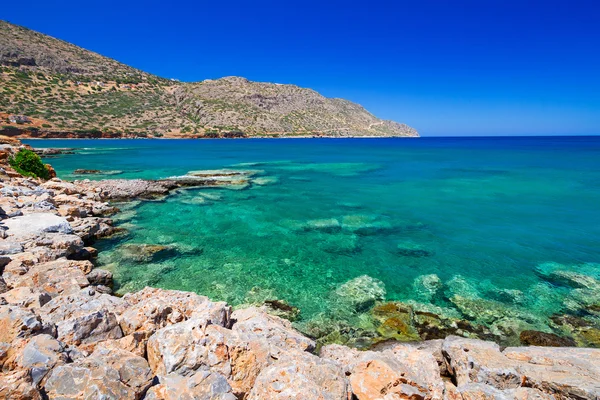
column 151, row 309
column 3, row 286
column 566, row 372
column 192, row 345
column 134, row 343
column 75, row 315
column 361, row 293
column 56, row 277
column 26, row 297
column 38, row 356
column 115, row 374
column 36, row 224
column 300, row 375
column 8, row 247
column 18, row 322
column 202, row 385
column 252, row 322
column 18, row 385
column 99, row 276
column 400, row 372
column 55, row 245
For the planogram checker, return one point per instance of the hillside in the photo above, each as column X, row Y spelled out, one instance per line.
column 52, row 88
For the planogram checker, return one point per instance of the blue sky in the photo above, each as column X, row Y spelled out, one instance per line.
column 483, row 67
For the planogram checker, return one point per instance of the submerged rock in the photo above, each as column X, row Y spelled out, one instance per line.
column 96, row 172
column 282, row 309
column 145, row 253
column 408, row 248
column 537, row 338
column 361, row 292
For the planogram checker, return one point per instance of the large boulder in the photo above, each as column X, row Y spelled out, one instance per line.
column 57, row 277
column 192, row 345
column 38, row 355
column 566, row 372
column 115, row 374
column 300, row 375
column 18, row 322
column 400, row 372
column 253, row 322
column 26, row 297
column 202, row 385
column 18, row 385
column 36, row 224
column 84, row 317
column 151, row 309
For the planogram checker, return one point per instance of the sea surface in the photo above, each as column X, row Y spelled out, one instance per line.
column 488, row 216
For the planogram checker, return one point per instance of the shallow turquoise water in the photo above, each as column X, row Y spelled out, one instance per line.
column 482, row 211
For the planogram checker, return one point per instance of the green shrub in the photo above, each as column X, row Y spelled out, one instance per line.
column 27, row 163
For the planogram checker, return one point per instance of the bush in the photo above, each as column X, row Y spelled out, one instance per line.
column 27, row 163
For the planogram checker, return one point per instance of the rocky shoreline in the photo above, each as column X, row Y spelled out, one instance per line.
column 63, row 335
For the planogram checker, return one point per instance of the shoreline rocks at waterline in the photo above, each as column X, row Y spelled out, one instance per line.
column 63, row 336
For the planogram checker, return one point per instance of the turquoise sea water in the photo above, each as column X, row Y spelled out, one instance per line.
column 481, row 213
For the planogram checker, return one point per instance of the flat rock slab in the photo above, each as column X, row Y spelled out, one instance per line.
column 36, row 224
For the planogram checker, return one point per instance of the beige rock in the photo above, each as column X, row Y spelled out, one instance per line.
column 191, row 345
column 38, row 355
column 18, row 322
column 26, row 297
column 255, row 322
column 300, row 375
column 114, row 374
column 202, row 385
column 56, row 277
column 400, row 372
column 151, row 309
column 18, row 385
column 83, row 317
column 565, row 372
column 134, row 343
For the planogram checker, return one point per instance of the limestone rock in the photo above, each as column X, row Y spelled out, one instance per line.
column 115, row 374
column 36, row 224
column 151, row 309
column 100, row 277
column 8, row 247
column 568, row 372
column 401, row 372
column 202, row 385
column 279, row 332
column 192, row 345
column 83, row 317
column 26, row 297
column 38, row 356
column 18, row 385
column 18, row 322
column 300, row 375
column 57, row 277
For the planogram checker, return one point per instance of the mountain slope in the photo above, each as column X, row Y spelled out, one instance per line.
column 63, row 89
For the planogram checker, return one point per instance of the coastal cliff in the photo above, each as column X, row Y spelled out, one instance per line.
column 51, row 88
column 64, row 335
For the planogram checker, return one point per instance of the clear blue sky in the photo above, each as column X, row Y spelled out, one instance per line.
column 484, row 67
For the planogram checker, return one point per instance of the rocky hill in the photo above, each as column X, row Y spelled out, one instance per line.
column 52, row 88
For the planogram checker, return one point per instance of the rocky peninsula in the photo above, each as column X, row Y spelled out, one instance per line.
column 64, row 335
